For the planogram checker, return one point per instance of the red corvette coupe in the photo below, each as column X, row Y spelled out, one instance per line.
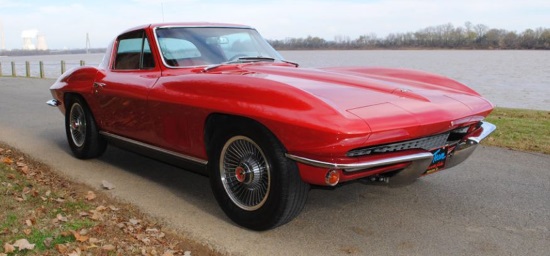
column 218, row 99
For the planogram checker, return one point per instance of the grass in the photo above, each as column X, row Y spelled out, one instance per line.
column 520, row 129
column 60, row 217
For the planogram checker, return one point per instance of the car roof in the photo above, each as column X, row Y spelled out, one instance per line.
column 187, row 24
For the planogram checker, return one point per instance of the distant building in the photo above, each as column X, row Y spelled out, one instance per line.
column 41, row 43
column 30, row 37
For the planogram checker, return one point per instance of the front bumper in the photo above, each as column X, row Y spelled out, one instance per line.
column 418, row 161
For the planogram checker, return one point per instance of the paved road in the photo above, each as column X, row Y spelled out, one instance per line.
column 498, row 203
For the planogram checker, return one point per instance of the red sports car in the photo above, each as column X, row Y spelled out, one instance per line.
column 218, row 99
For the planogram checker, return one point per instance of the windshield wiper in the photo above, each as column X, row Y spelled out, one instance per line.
column 244, row 59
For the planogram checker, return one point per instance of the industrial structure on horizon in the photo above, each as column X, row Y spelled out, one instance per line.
column 30, row 37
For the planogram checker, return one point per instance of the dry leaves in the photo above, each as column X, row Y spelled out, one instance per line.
column 90, row 196
column 21, row 244
column 113, row 230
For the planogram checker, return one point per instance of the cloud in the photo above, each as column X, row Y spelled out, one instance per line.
column 67, row 24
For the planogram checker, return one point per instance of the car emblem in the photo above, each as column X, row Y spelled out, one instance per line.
column 404, row 90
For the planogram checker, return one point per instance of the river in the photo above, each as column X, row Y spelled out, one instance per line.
column 514, row 79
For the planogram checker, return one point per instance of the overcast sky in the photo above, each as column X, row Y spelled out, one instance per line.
column 64, row 23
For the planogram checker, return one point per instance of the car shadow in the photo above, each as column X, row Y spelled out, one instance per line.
column 193, row 187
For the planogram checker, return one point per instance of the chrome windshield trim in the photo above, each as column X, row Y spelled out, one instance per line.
column 155, row 148
column 362, row 165
column 488, row 128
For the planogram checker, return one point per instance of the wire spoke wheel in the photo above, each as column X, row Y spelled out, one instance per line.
column 245, row 173
column 77, row 125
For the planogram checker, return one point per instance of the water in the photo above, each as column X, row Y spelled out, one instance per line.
column 515, row 79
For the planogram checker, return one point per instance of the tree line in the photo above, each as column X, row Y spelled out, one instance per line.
column 445, row 36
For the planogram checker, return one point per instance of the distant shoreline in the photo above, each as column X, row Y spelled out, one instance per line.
column 20, row 53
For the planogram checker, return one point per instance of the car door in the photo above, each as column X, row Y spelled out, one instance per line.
column 122, row 89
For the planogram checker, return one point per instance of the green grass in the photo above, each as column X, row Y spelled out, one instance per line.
column 520, row 129
column 15, row 213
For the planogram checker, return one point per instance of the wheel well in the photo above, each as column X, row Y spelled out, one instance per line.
column 70, row 95
column 218, row 121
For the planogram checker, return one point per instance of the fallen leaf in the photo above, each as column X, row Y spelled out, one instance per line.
column 168, row 253
column 101, row 208
column 20, row 164
column 25, row 170
column 79, row 237
column 11, row 176
column 108, row 247
column 113, row 208
column 23, row 244
column 76, row 252
column 90, row 196
column 8, row 248
column 28, row 222
column 27, row 231
column 93, row 240
column 48, row 242
column 107, row 185
column 134, row 221
column 61, row 248
column 7, row 160
column 96, row 215
column 61, row 217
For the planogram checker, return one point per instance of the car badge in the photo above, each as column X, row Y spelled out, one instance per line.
column 404, row 90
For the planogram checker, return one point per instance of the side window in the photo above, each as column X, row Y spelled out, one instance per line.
column 178, row 52
column 133, row 52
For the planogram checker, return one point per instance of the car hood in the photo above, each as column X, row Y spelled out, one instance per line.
column 410, row 98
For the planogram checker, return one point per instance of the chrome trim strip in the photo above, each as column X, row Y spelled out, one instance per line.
column 488, row 128
column 145, row 145
column 362, row 165
column 53, row 103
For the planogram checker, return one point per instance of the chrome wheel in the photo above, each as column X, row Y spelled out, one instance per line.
column 245, row 173
column 77, row 125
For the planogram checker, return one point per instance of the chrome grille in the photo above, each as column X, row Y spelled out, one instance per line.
column 426, row 143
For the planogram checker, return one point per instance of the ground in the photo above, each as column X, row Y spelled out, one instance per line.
column 46, row 214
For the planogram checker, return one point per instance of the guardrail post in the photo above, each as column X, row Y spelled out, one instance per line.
column 27, row 69
column 82, row 63
column 63, row 67
column 13, row 72
column 41, row 67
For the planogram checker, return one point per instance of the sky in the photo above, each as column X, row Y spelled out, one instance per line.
column 65, row 23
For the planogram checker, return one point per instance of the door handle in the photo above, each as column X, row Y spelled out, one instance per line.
column 97, row 85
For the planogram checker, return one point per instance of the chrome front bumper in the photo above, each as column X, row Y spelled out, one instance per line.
column 53, row 103
column 419, row 161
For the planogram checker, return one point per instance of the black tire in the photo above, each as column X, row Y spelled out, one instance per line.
column 81, row 129
column 254, row 183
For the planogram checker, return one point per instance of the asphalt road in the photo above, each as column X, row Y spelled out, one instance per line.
column 497, row 203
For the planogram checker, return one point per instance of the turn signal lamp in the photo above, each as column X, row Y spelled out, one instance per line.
column 332, row 178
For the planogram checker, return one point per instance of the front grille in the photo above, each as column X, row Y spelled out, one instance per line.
column 426, row 143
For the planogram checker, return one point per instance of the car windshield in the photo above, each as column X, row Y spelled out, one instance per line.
column 196, row 46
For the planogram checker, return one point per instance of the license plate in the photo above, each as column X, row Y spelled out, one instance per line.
column 438, row 162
